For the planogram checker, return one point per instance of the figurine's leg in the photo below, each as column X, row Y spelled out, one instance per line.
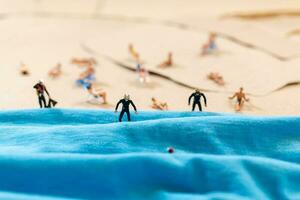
column 128, row 115
column 200, row 107
column 44, row 101
column 40, row 102
column 121, row 116
column 194, row 105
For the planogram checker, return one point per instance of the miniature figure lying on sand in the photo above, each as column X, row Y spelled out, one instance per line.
column 158, row 105
column 96, row 95
column 216, row 77
column 82, row 62
column 56, row 71
column 24, row 70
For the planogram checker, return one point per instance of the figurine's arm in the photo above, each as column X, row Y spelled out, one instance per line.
column 233, row 96
column 190, row 98
column 204, row 97
column 117, row 105
column 131, row 102
column 246, row 99
column 47, row 91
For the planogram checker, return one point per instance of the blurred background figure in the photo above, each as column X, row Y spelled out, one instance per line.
column 210, row 46
column 56, row 71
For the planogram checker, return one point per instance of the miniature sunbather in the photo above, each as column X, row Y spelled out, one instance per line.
column 96, row 94
column 82, row 62
column 24, row 70
column 126, row 102
column 86, row 77
column 40, row 90
column 168, row 62
column 159, row 105
column 216, row 77
column 133, row 53
column 211, row 45
column 241, row 98
column 56, row 71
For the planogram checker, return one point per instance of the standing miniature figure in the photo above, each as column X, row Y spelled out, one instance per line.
column 143, row 75
column 40, row 90
column 126, row 102
column 168, row 62
column 158, row 105
column 241, row 97
column 56, row 71
column 133, row 52
column 197, row 99
column 211, row 45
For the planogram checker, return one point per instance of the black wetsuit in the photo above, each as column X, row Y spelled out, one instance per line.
column 125, row 108
column 197, row 100
column 40, row 90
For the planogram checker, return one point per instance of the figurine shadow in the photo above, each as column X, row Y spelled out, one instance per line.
column 148, row 85
column 217, row 53
column 168, row 67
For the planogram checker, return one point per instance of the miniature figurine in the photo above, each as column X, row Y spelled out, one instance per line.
column 24, row 70
column 133, row 52
column 171, row 150
column 159, row 105
column 143, row 75
column 126, row 102
column 87, row 76
column 82, row 62
column 40, row 90
column 96, row 93
column 197, row 99
column 56, row 71
column 241, row 97
column 138, row 67
column 168, row 62
column 216, row 77
column 211, row 45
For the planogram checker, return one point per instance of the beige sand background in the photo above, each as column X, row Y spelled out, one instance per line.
column 258, row 54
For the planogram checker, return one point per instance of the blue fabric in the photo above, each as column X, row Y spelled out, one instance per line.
column 87, row 154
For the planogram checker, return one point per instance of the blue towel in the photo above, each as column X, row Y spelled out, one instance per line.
column 87, row 154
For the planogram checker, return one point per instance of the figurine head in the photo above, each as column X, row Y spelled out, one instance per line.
column 153, row 99
column 126, row 97
column 197, row 90
column 41, row 81
column 241, row 89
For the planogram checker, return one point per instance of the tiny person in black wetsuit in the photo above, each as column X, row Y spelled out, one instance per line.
column 40, row 90
column 125, row 107
column 197, row 99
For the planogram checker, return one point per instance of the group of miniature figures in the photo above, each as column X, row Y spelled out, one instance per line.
column 210, row 47
column 87, row 77
column 126, row 101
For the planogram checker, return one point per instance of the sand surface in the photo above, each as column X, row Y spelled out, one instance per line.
column 259, row 55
